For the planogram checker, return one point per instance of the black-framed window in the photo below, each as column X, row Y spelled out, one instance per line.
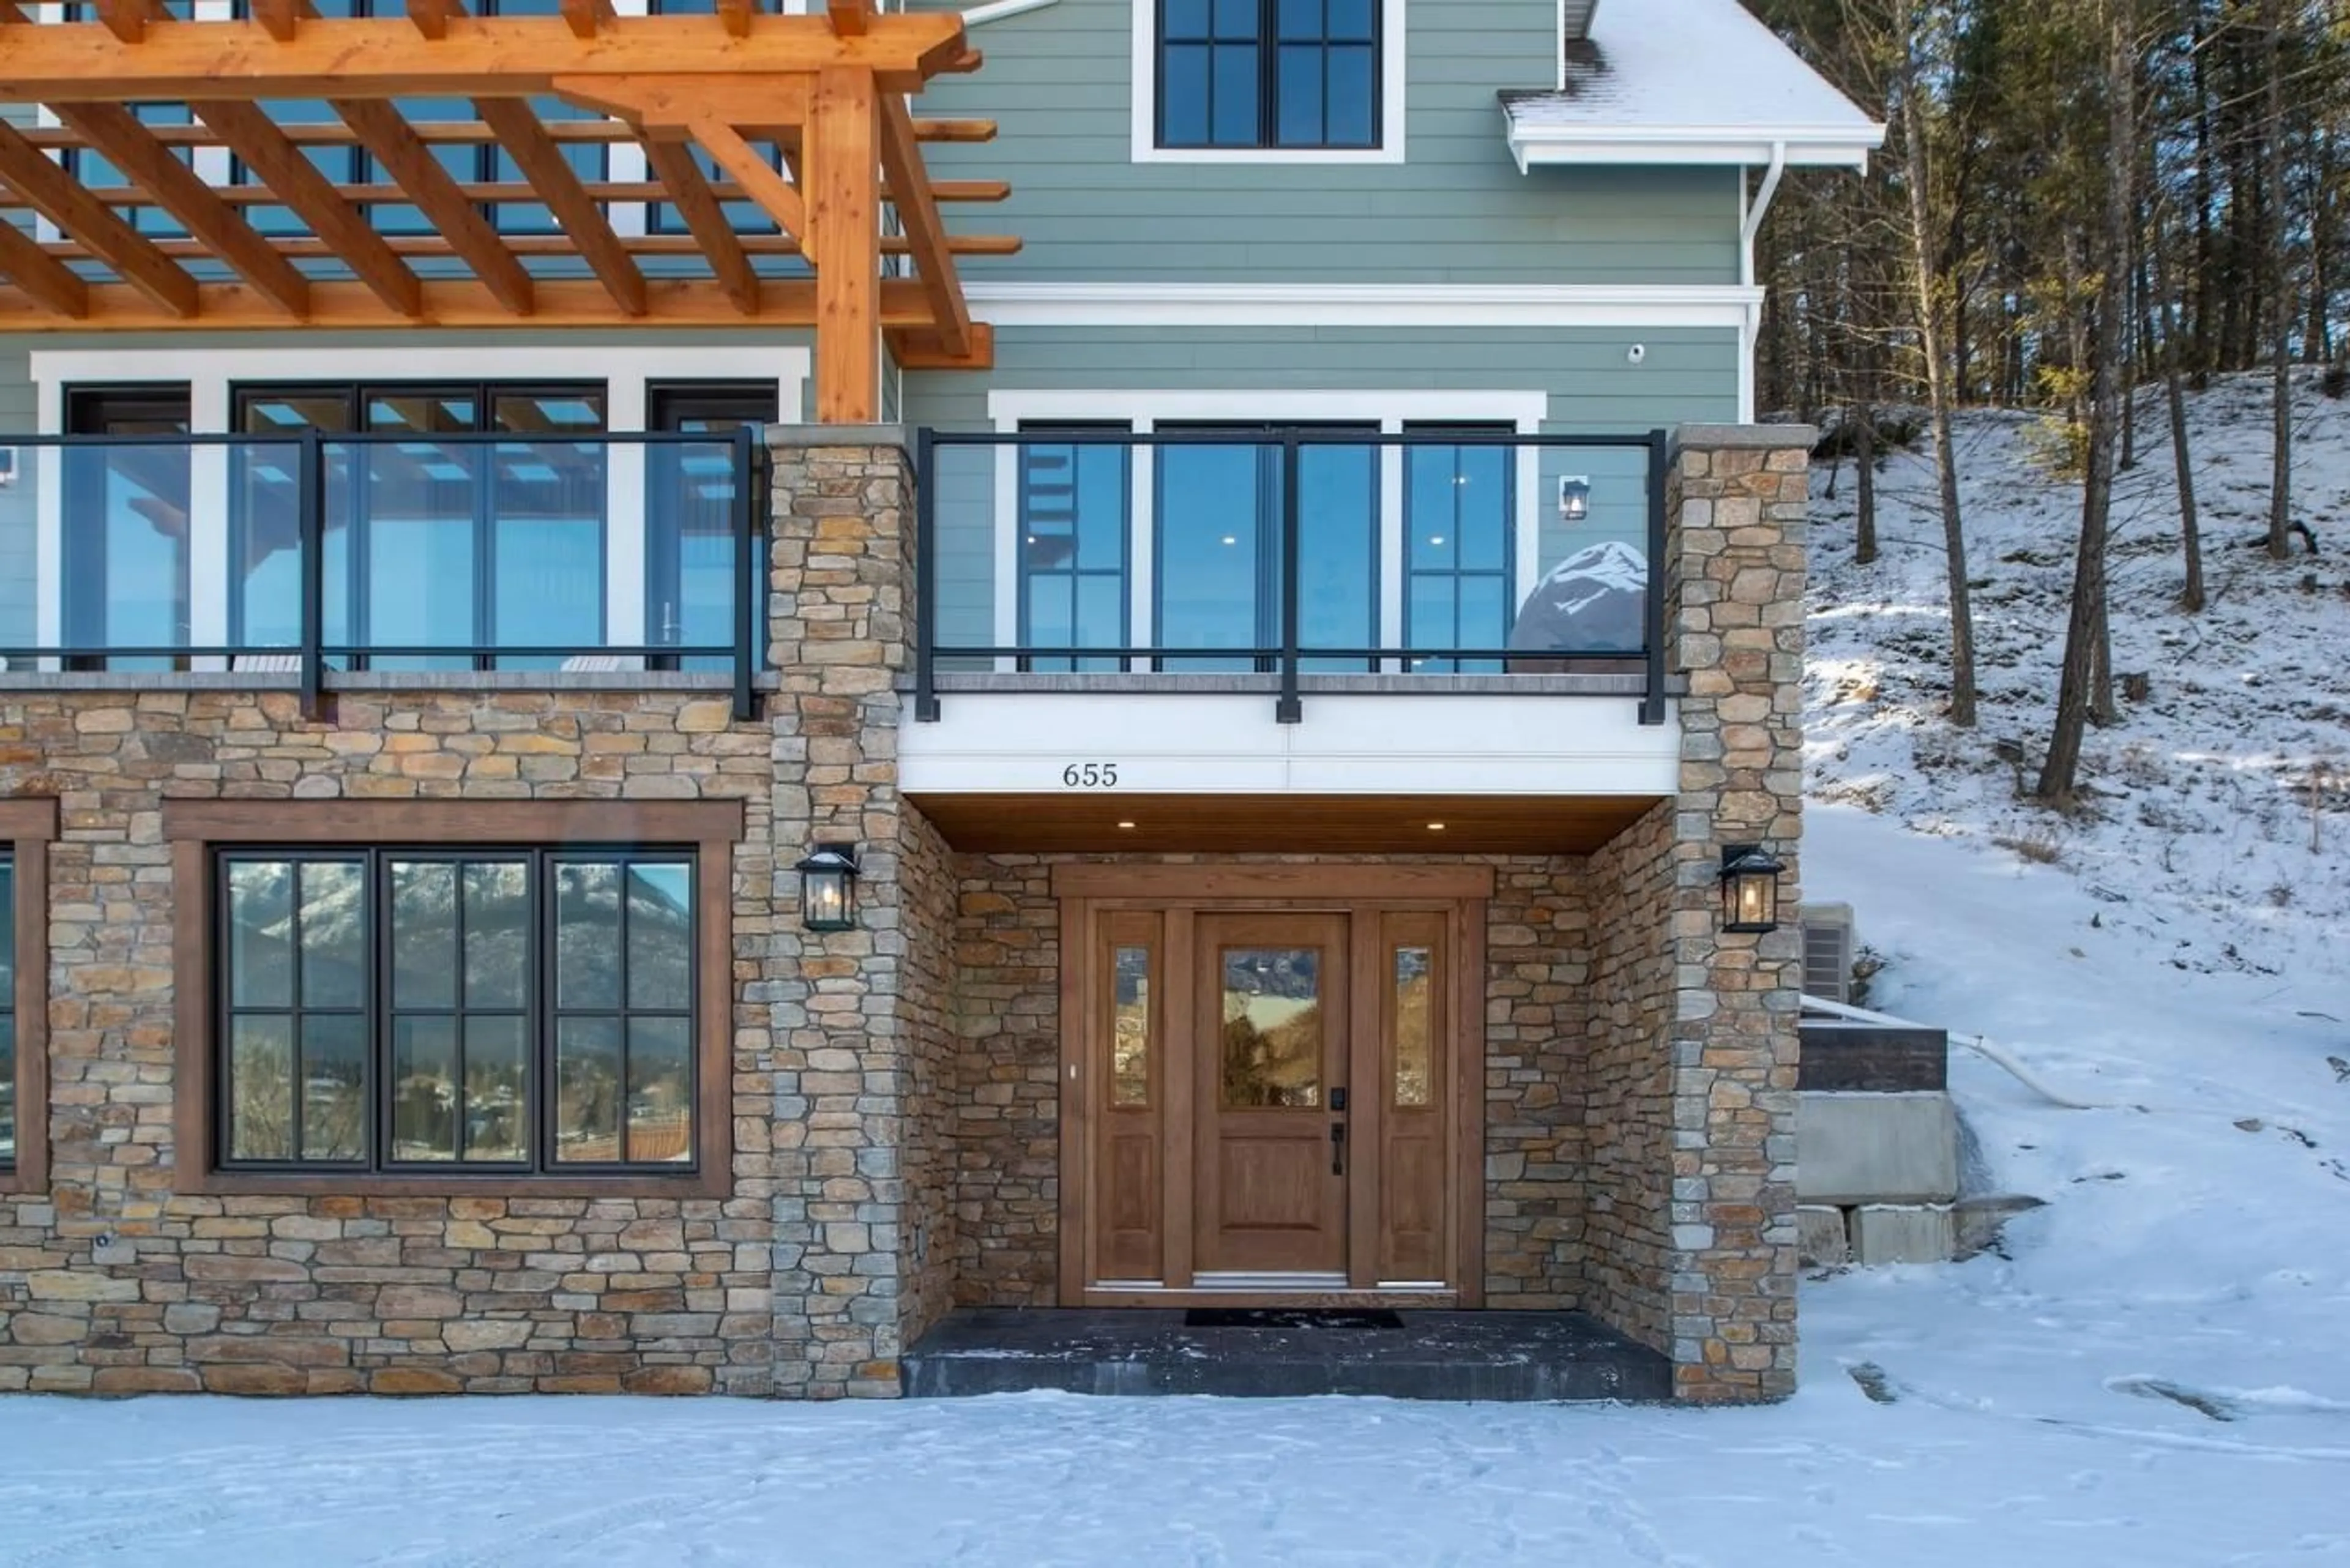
column 1459, row 549
column 427, row 542
column 515, row 1011
column 1269, row 73
column 1076, row 547
column 690, row 512
column 1217, row 509
column 125, row 565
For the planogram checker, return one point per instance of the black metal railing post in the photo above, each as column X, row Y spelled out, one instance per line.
column 750, row 575
column 310, row 526
column 925, row 585
column 1660, row 576
column 1291, row 708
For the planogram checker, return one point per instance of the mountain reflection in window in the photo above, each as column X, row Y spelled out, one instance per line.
column 512, row 1010
column 1272, row 1028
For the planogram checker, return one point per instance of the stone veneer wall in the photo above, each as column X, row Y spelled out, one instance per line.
column 1008, row 1006
column 1007, row 1089
column 895, row 1085
column 1695, row 1051
column 113, row 1281
column 861, row 1226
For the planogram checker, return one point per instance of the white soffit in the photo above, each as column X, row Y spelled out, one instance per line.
column 1684, row 81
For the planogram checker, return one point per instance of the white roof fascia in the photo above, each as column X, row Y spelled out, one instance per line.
column 1806, row 147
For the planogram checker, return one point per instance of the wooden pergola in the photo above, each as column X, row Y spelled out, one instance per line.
column 828, row 92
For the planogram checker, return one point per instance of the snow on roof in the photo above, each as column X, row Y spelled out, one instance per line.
column 1685, row 81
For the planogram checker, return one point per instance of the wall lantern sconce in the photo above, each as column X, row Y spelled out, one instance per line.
column 1574, row 499
column 1750, row 889
column 828, row 888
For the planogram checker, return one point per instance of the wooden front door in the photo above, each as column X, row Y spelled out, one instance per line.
column 1269, row 1033
column 1267, row 1097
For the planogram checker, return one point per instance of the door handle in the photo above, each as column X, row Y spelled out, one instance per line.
column 1338, row 1149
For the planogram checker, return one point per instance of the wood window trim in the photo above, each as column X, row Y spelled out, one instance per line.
column 28, row 827
column 195, row 828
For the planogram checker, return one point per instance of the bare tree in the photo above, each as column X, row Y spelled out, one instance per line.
column 2077, row 696
column 2280, row 305
column 1910, row 91
column 2174, row 379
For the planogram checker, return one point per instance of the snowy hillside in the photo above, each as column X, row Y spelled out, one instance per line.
column 2202, row 826
column 2174, row 958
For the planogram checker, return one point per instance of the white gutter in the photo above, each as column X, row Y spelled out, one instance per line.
column 996, row 10
column 1532, row 143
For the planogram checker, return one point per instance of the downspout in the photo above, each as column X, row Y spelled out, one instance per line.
column 1752, row 227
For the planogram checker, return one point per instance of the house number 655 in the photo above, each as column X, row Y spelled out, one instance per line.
column 1091, row 776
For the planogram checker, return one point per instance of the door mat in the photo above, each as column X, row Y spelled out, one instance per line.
column 1286, row 1318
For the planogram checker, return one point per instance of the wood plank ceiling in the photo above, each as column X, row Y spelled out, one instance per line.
column 803, row 116
column 1121, row 824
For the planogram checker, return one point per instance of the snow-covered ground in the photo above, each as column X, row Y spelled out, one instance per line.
column 2148, row 1376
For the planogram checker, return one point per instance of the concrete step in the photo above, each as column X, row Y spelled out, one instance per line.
column 1455, row 1355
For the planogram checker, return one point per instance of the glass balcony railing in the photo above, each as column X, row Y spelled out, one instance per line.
column 1291, row 557
column 313, row 553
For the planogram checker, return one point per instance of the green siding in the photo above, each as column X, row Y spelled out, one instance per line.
column 16, row 563
column 1058, row 82
column 1688, row 377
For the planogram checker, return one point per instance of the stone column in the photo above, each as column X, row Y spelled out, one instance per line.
column 1737, row 498
column 837, row 640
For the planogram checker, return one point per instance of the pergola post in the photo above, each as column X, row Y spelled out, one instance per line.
column 844, row 209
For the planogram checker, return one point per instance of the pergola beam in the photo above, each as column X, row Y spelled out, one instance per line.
column 550, row 245
column 281, row 20
column 263, row 194
column 431, row 17
column 117, row 135
column 584, row 17
column 460, row 132
column 127, row 19
column 50, row 284
column 50, row 190
column 850, row 18
column 434, row 193
column 673, row 164
column 926, row 231
column 525, row 138
column 457, row 303
column 774, row 193
column 293, row 181
column 474, row 57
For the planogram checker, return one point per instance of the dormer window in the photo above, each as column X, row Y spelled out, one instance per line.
column 1291, row 74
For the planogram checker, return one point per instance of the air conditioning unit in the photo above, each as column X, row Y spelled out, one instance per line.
column 1829, row 947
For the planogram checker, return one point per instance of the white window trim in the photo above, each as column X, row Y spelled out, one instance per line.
column 1144, row 410
column 1393, row 57
column 625, row 372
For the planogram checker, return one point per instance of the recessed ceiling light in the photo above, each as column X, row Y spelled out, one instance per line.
column 1436, row 827
column 1127, row 826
